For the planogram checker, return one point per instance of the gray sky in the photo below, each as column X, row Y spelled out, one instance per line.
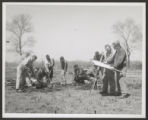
column 74, row 32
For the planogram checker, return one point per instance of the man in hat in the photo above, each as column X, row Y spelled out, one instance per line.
column 108, row 75
column 97, row 56
column 25, row 72
column 120, row 63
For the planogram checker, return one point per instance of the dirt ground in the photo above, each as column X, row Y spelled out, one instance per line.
column 71, row 99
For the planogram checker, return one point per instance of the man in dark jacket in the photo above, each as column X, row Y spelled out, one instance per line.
column 120, row 63
column 97, row 56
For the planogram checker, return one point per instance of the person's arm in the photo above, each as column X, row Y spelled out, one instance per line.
column 94, row 57
column 53, row 63
column 102, row 57
column 30, row 69
column 111, row 58
column 66, row 66
column 120, row 58
column 46, row 67
column 28, row 66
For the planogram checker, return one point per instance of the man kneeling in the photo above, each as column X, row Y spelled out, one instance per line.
column 41, row 78
column 80, row 75
column 24, row 72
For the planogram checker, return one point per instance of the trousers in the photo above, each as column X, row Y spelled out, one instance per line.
column 22, row 77
column 121, row 85
column 108, row 82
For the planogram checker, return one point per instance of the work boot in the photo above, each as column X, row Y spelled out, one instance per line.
column 20, row 90
column 117, row 94
column 104, row 93
column 125, row 95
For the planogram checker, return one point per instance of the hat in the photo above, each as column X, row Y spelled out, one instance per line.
column 34, row 56
column 107, row 45
column 117, row 42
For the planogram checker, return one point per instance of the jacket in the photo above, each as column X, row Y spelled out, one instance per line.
column 119, row 60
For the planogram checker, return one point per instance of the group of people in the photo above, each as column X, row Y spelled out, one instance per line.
column 114, row 82
column 28, row 75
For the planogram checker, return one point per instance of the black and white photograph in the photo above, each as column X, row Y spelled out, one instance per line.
column 74, row 60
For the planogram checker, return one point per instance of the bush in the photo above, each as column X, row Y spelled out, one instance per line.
column 135, row 65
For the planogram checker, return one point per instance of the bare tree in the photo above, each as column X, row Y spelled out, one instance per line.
column 19, row 26
column 130, row 34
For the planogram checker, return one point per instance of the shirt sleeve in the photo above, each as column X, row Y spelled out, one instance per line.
column 103, row 57
column 46, row 67
column 27, row 62
column 66, row 66
column 111, row 58
column 29, row 65
column 53, row 62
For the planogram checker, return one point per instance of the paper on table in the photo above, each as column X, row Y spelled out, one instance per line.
column 98, row 63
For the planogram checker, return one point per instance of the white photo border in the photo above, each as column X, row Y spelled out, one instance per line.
column 37, row 115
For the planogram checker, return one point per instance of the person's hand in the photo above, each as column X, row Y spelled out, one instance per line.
column 123, row 74
column 105, row 62
column 112, row 68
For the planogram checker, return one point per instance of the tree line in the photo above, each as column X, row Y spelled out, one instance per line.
column 129, row 33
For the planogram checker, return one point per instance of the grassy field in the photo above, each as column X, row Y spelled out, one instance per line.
column 71, row 99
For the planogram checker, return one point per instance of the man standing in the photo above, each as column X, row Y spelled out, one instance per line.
column 76, row 72
column 97, row 71
column 24, row 72
column 64, row 66
column 120, row 63
column 108, row 75
column 97, row 56
column 49, row 64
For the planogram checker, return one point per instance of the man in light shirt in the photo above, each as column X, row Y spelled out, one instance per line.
column 64, row 66
column 49, row 64
column 108, row 75
column 24, row 72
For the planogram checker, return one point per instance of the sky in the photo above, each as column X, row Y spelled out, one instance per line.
column 74, row 31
